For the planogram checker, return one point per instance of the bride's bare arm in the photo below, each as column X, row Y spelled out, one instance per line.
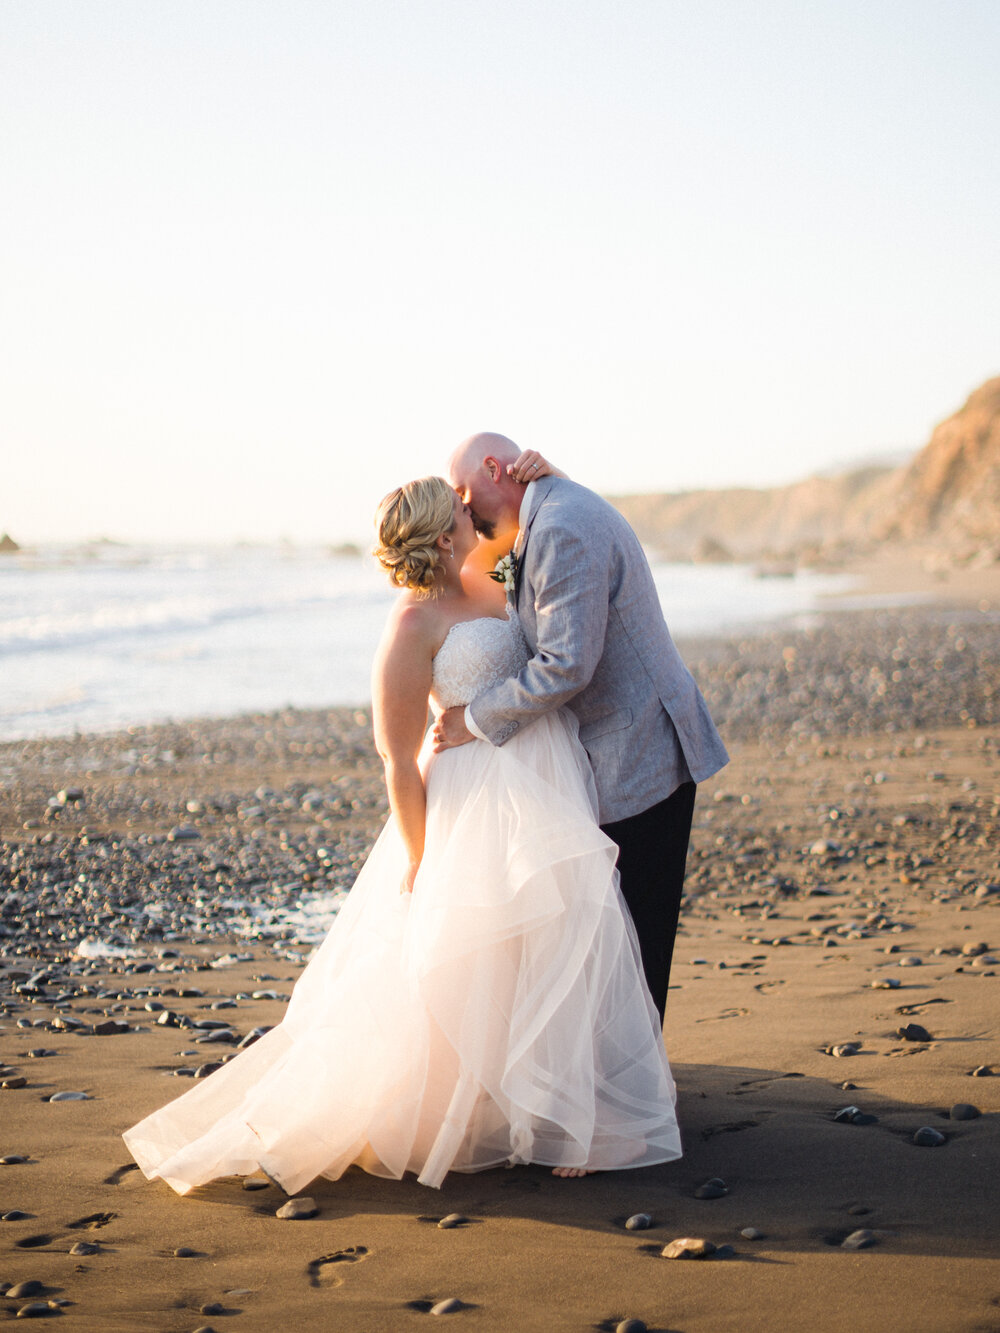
column 401, row 685
column 530, row 465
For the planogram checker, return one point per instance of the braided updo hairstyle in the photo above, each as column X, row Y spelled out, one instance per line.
column 409, row 521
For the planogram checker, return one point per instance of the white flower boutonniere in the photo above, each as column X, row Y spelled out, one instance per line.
column 505, row 572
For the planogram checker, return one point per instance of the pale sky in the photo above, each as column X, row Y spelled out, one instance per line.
column 261, row 261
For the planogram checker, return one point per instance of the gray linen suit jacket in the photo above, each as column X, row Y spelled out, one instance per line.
column 590, row 612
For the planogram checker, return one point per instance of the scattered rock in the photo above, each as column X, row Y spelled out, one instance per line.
column 449, row 1306
column 712, row 1189
column 630, row 1326
column 451, row 1221
column 688, row 1247
column 914, row 1032
column 298, row 1210
column 22, row 1290
column 928, row 1137
column 859, row 1240
column 964, row 1111
column 69, row 1097
column 751, row 1233
column 84, row 1247
column 638, row 1222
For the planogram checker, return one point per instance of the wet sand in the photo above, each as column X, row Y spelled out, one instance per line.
column 840, row 949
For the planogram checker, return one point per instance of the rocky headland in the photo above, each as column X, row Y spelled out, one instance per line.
column 939, row 510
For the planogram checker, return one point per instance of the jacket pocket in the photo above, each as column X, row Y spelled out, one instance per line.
column 603, row 726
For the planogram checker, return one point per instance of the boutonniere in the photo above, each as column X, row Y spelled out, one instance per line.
column 505, row 572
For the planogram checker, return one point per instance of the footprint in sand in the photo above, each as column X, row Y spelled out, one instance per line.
column 92, row 1221
column 726, row 1013
column 765, row 986
column 327, row 1270
column 116, row 1177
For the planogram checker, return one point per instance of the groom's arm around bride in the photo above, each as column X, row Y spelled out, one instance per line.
column 590, row 612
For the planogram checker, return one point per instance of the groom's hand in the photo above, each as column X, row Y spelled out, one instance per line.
column 450, row 729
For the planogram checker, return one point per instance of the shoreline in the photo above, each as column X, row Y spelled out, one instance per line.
column 843, row 884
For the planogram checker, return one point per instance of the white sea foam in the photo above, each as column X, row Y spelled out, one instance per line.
column 111, row 636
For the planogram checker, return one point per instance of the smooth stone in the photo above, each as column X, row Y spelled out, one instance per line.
column 85, row 1247
column 13, row 1159
column 452, row 1220
column 886, row 983
column 111, row 1027
column 22, row 1290
column 69, row 1097
column 256, row 1182
column 253, row 1035
column 298, row 1210
column 928, row 1137
column 859, row 1210
column 844, row 1049
column 216, row 1036
column 14, row 1215
column 964, row 1111
column 688, row 1247
column 17, row 1081
column 203, row 1071
column 751, row 1233
column 449, row 1306
column 974, row 950
column 630, row 1326
column 982, row 1071
column 712, row 1189
column 639, row 1222
column 911, row 960
column 914, row 1032
column 184, row 1252
column 212, row 1307
column 859, row 1240
column 36, row 1310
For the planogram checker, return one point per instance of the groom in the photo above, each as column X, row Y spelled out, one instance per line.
column 586, row 601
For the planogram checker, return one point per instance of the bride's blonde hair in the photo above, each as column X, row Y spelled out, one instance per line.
column 409, row 521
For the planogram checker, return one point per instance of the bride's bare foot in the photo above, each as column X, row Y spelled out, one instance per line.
column 571, row 1172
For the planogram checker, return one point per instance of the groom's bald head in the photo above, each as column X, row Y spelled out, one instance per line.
column 478, row 471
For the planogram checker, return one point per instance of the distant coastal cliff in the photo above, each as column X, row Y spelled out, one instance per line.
column 943, row 504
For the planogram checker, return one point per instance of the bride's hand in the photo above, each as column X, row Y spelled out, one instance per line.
column 531, row 465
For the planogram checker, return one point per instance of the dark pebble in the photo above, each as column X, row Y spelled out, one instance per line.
column 36, row 1310
column 630, row 1326
column 859, row 1240
column 928, row 1137
column 451, row 1221
column 184, row 1252
column 69, row 1097
column 203, row 1071
column 712, row 1189
column 914, row 1032
column 964, row 1111
column 14, row 1215
column 639, row 1222
column 255, row 1182
column 213, row 1307
column 752, row 1233
column 16, row 1081
column 22, row 1290
column 111, row 1027
column 83, row 1247
column 13, row 1159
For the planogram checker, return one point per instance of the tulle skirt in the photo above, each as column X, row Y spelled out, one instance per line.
column 496, row 1015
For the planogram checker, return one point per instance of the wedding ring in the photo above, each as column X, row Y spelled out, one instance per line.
column 532, row 466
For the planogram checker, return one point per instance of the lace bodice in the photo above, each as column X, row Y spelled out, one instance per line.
column 475, row 655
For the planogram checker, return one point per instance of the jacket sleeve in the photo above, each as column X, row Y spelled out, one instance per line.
column 570, row 574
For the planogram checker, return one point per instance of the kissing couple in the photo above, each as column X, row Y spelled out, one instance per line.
column 492, row 990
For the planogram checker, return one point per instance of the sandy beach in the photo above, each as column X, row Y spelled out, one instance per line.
column 833, row 1022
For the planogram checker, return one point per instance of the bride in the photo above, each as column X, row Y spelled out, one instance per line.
column 479, row 999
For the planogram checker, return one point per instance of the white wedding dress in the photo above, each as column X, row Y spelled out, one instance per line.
column 496, row 1015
